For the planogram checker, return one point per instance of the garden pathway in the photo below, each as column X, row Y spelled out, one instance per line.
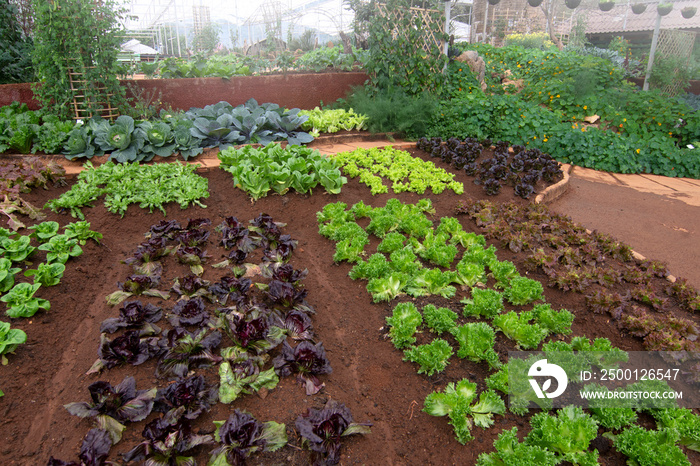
column 659, row 217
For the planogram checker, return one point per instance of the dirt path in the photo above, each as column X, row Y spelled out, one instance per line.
column 662, row 225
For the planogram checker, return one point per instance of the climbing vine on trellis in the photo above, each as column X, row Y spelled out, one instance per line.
column 81, row 37
column 405, row 46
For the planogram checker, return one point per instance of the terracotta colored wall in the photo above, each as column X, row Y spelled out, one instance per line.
column 304, row 91
column 292, row 91
column 18, row 93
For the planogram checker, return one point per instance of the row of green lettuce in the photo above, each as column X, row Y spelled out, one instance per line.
column 187, row 133
column 19, row 296
column 410, row 259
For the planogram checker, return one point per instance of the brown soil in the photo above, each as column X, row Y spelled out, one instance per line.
column 368, row 376
column 658, row 227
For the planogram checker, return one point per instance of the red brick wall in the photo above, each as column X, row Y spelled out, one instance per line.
column 292, row 91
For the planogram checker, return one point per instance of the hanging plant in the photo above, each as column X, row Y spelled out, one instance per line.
column 572, row 3
column 638, row 8
column 494, row 2
column 534, row 2
column 688, row 12
column 606, row 5
column 664, row 8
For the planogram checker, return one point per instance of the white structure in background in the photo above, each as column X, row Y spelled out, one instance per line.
column 248, row 21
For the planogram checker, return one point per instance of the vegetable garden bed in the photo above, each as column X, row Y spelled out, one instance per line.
column 368, row 374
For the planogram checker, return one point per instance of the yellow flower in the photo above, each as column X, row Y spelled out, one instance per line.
column 583, row 129
column 670, row 133
column 460, row 69
column 659, row 123
column 557, row 96
column 625, row 120
column 638, row 151
column 545, row 139
column 534, row 137
column 585, row 107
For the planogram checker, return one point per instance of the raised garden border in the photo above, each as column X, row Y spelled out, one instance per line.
column 304, row 91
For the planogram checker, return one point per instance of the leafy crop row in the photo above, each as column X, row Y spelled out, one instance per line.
column 523, row 170
column 396, row 269
column 149, row 186
column 332, row 121
column 20, row 176
column 127, row 140
column 234, row 324
column 406, row 173
column 273, row 168
column 16, row 249
column 595, row 264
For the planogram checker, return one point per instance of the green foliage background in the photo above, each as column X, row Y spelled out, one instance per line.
column 15, row 47
column 78, row 34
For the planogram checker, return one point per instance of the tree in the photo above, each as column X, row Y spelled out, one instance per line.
column 15, row 47
column 207, row 40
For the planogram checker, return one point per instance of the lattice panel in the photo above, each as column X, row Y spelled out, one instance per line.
column 675, row 43
column 431, row 20
column 83, row 101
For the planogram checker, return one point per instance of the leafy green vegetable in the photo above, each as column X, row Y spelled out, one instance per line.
column 10, row 338
column 7, row 274
column 44, row 231
column 487, row 303
column 21, row 301
column 391, row 242
column 568, row 434
column 512, row 380
column 432, row 282
column 81, row 231
column 120, row 138
column 432, row 357
column 374, row 267
column 456, row 402
column 158, row 139
column 125, row 184
column 649, row 447
column 682, row 420
column 386, row 288
column 407, row 173
column 404, row 321
column 241, row 373
column 476, row 342
column 510, row 452
column 18, row 249
column 60, row 248
column 47, row 274
column 332, row 121
column 81, row 143
column 259, row 170
column 470, row 274
column 609, row 413
column 523, row 291
column 503, row 272
column 439, row 319
column 557, row 322
column 517, row 327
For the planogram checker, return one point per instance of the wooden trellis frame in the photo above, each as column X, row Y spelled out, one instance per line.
column 675, row 43
column 84, row 102
column 431, row 20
